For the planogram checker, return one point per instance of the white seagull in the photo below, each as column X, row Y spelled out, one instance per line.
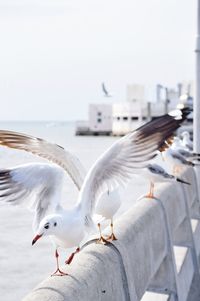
column 157, row 174
column 176, row 160
column 178, row 146
column 112, row 169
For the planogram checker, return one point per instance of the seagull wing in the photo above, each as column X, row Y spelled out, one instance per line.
column 178, row 156
column 184, row 152
column 116, row 166
column 36, row 186
column 52, row 152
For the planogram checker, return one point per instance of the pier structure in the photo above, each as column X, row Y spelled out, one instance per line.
column 119, row 118
column 156, row 256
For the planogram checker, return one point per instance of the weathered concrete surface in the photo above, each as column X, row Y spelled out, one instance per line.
column 118, row 271
column 156, row 250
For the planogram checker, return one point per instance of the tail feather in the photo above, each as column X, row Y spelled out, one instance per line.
column 182, row 181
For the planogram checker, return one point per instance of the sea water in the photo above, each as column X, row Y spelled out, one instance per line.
column 22, row 265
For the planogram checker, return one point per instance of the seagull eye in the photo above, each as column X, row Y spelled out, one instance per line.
column 55, row 224
column 46, row 227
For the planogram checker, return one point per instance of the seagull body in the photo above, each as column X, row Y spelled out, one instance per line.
column 108, row 204
column 178, row 146
column 176, row 160
column 157, row 174
column 112, row 169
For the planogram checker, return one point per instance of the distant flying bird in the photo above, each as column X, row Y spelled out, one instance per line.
column 105, row 91
column 114, row 168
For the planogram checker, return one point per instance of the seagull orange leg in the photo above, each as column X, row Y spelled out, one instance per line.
column 101, row 238
column 112, row 236
column 163, row 158
column 150, row 194
column 58, row 272
column 69, row 260
column 176, row 170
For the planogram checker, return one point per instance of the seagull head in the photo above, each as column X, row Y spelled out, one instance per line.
column 185, row 134
column 48, row 226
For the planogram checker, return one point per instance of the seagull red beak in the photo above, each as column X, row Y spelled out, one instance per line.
column 35, row 239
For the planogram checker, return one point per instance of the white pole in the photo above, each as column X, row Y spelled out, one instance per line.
column 196, row 107
column 196, row 113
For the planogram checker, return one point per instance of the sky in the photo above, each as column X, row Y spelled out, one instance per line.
column 54, row 54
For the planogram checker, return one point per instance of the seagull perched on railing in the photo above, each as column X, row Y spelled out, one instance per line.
column 176, row 160
column 178, row 146
column 157, row 174
column 113, row 169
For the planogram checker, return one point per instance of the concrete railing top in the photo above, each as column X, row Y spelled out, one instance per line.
column 123, row 270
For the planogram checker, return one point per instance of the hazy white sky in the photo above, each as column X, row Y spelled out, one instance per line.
column 54, row 54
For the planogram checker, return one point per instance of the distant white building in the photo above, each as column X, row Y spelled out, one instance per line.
column 121, row 118
column 100, row 118
column 128, row 115
column 125, row 117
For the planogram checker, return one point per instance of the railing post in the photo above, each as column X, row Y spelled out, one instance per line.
column 197, row 86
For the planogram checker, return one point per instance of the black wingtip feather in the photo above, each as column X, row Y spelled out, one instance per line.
column 182, row 181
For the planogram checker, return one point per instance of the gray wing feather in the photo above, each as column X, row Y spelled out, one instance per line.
column 177, row 155
column 36, row 186
column 158, row 170
column 47, row 150
column 130, row 153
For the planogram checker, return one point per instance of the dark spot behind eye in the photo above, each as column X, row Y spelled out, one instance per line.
column 55, row 224
column 46, row 226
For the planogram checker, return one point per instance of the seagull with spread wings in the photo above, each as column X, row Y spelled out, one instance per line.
column 38, row 185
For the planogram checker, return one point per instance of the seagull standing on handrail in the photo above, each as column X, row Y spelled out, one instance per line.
column 112, row 169
column 183, row 150
column 176, row 160
column 157, row 174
